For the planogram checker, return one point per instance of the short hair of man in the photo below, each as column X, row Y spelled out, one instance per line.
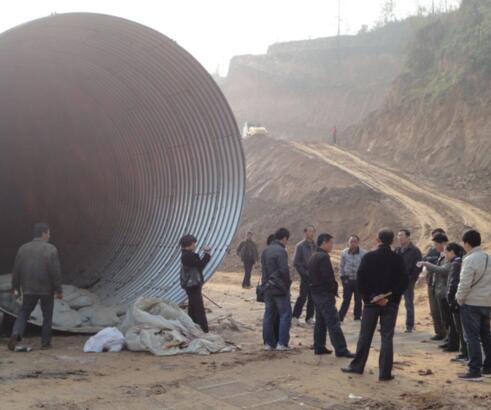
column 187, row 240
column 472, row 237
column 406, row 231
column 437, row 230
column 440, row 238
column 270, row 239
column 40, row 228
column 354, row 236
column 282, row 233
column 386, row 236
column 323, row 237
column 308, row 227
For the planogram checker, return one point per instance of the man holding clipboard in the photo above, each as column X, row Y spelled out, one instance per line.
column 382, row 281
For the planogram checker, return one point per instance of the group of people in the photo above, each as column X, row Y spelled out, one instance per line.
column 459, row 290
column 458, row 278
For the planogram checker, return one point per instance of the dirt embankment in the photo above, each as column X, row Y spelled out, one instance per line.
column 436, row 121
column 286, row 187
column 302, row 89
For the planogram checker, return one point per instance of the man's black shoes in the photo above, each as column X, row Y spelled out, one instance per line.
column 325, row 350
column 347, row 355
column 386, row 379
column 437, row 338
column 469, row 377
column 350, row 370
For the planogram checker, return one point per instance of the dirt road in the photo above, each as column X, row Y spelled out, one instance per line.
column 429, row 207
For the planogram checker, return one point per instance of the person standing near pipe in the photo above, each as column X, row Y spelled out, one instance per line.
column 192, row 279
column 37, row 275
column 249, row 255
column 303, row 252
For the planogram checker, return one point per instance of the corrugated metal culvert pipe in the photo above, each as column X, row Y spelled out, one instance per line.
column 118, row 138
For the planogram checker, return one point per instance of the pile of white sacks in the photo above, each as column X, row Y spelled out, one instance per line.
column 80, row 309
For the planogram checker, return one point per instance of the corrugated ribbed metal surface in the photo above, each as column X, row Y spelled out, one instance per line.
column 117, row 137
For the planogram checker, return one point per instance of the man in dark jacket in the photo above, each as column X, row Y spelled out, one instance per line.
column 324, row 290
column 303, row 252
column 37, row 275
column 382, row 280
column 276, row 286
column 249, row 255
column 432, row 256
column 411, row 255
column 193, row 265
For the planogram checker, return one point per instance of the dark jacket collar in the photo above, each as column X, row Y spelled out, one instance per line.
column 384, row 246
column 277, row 242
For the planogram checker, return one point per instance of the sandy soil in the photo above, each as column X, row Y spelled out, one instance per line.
column 66, row 378
column 429, row 207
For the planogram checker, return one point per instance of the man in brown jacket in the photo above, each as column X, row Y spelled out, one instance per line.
column 37, row 275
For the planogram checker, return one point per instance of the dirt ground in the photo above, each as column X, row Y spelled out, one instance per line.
column 66, row 378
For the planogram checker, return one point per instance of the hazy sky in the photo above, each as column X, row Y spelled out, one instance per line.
column 216, row 30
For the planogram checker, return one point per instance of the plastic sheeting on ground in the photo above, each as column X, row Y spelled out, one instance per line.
column 164, row 329
column 109, row 339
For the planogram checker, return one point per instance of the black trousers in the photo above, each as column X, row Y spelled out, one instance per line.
column 304, row 296
column 248, row 265
column 327, row 321
column 350, row 289
column 29, row 303
column 196, row 307
column 435, row 312
column 369, row 320
column 457, row 320
column 449, row 324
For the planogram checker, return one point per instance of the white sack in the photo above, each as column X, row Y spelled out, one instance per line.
column 164, row 329
column 108, row 339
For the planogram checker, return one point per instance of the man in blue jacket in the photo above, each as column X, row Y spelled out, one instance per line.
column 276, row 286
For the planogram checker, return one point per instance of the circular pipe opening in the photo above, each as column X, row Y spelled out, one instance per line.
column 122, row 142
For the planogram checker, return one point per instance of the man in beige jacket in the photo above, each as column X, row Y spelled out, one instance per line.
column 474, row 297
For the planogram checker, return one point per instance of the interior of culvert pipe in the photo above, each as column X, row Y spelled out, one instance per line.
column 121, row 141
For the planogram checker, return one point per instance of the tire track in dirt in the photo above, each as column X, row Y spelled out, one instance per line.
column 430, row 207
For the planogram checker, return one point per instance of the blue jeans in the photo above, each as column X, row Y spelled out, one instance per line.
column 277, row 307
column 476, row 323
column 409, row 302
column 327, row 320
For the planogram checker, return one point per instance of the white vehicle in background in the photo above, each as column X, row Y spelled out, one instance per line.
column 253, row 131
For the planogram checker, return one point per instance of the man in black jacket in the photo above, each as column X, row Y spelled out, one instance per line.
column 249, row 255
column 276, row 286
column 382, row 280
column 37, row 275
column 194, row 265
column 324, row 290
column 411, row 255
column 303, row 252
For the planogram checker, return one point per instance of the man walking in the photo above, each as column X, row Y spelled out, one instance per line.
column 324, row 290
column 474, row 297
column 348, row 269
column 411, row 256
column 276, row 286
column 382, row 280
column 303, row 252
column 249, row 255
column 432, row 256
column 37, row 275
